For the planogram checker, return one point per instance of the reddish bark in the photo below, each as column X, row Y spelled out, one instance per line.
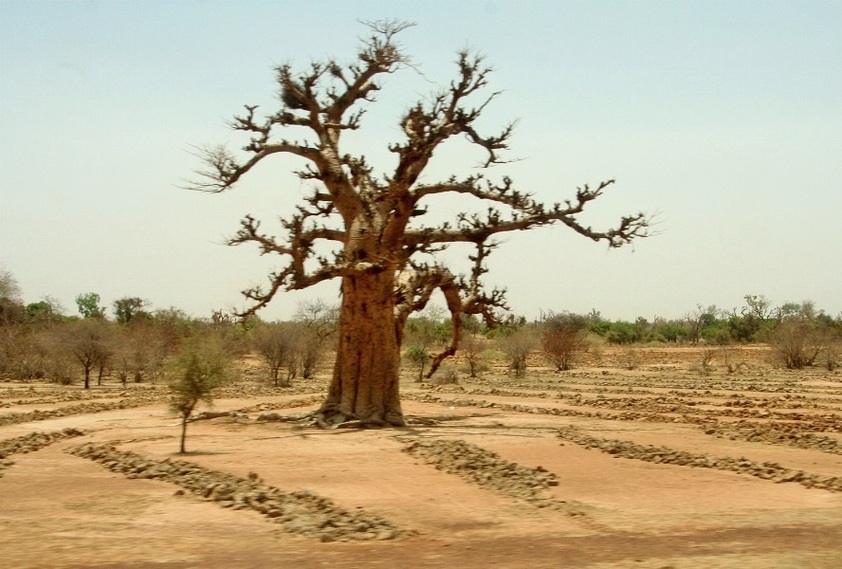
column 365, row 384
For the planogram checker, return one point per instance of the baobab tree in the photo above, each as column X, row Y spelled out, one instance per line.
column 371, row 222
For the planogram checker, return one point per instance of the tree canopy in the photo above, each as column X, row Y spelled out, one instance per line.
column 373, row 222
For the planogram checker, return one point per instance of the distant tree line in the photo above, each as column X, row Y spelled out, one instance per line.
column 141, row 344
column 800, row 334
column 758, row 321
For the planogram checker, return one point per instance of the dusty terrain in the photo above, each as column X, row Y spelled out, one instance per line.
column 656, row 467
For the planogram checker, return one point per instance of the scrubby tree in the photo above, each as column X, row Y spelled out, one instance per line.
column 318, row 315
column 9, row 287
column 140, row 352
column 802, row 335
column 430, row 328
column 419, row 357
column 622, row 332
column 11, row 303
column 317, row 324
column 275, row 344
column 759, row 307
column 716, row 328
column 696, row 320
column 198, row 372
column 227, row 328
column 88, row 305
column 664, row 330
column 517, row 346
column 310, row 349
column 90, row 342
column 12, row 336
column 24, row 352
column 753, row 320
column 472, row 348
column 564, row 336
column 45, row 311
column 172, row 326
column 128, row 308
column 422, row 335
column 796, row 342
column 832, row 356
column 366, row 228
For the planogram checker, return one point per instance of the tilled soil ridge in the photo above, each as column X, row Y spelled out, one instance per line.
column 301, row 512
column 485, row 468
column 31, row 443
column 664, row 455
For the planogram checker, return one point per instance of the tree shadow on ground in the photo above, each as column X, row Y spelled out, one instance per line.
column 190, row 453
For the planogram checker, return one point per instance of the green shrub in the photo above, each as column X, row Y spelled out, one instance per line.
column 419, row 357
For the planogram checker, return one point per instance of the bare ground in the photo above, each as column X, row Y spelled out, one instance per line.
column 654, row 468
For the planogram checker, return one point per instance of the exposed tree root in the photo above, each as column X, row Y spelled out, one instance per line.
column 329, row 420
column 332, row 418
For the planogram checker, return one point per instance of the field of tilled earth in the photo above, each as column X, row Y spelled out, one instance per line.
column 655, row 467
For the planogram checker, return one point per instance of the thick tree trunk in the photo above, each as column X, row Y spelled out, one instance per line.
column 365, row 385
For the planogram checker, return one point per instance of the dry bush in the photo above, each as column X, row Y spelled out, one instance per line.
column 445, row 375
column 90, row 342
column 317, row 324
column 472, row 349
column 418, row 357
column 564, row 338
column 596, row 349
column 140, row 353
column 47, row 352
column 24, row 354
column 705, row 363
column 276, row 344
column 798, row 341
column 61, row 369
column 728, row 356
column 517, row 346
column 311, row 348
column 630, row 358
column 831, row 358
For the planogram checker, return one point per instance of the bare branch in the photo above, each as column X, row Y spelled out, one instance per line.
column 427, row 126
column 415, row 286
column 222, row 170
column 526, row 214
column 299, row 247
column 324, row 100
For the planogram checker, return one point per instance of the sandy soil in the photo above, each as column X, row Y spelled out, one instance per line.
column 58, row 510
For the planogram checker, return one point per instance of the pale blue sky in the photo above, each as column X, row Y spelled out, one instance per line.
column 726, row 117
